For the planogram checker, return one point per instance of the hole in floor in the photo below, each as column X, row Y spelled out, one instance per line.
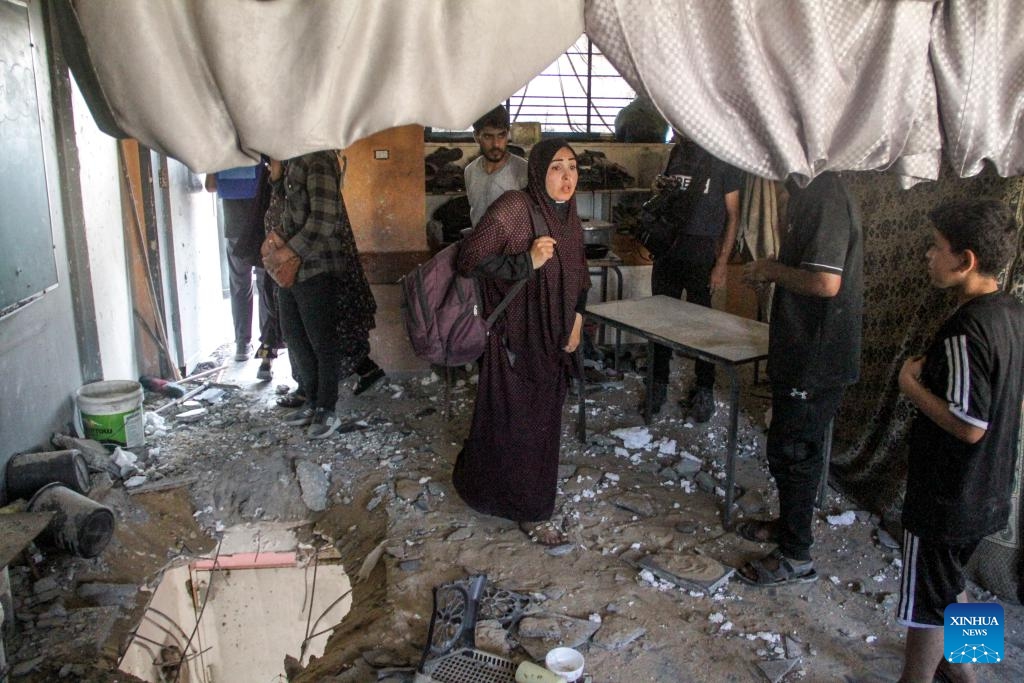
column 234, row 617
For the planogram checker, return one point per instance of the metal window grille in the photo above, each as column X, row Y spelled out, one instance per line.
column 580, row 93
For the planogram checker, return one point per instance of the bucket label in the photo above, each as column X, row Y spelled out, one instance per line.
column 119, row 429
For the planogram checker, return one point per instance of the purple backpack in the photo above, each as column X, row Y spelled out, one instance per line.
column 442, row 309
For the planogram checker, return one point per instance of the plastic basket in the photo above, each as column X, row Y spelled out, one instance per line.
column 468, row 666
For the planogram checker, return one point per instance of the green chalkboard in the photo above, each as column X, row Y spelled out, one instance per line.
column 27, row 265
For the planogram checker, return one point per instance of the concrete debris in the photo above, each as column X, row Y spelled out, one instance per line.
column 886, row 540
column 193, row 415
column 688, row 465
column 125, row 462
column 617, row 632
column 636, row 503
column 314, row 484
column 491, row 636
column 380, row 658
column 794, row 647
column 844, row 519
column 560, row 550
column 26, row 667
column 156, row 425
column 633, row 437
column 775, row 670
column 627, row 493
column 135, row 480
column 46, row 589
column 705, row 482
column 540, row 633
column 408, row 489
column 212, row 395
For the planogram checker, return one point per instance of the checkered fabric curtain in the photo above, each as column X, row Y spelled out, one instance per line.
column 804, row 86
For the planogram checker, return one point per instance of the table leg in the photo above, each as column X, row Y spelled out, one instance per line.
column 581, row 383
column 604, row 297
column 730, row 449
column 618, row 330
column 650, row 383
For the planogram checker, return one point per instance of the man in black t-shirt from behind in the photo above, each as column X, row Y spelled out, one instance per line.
column 697, row 261
column 813, row 355
column 964, row 440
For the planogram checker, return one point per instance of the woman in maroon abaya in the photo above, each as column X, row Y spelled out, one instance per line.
column 508, row 466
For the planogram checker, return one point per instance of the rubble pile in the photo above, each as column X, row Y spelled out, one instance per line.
column 641, row 587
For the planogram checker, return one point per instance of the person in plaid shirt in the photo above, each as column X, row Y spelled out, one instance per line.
column 327, row 314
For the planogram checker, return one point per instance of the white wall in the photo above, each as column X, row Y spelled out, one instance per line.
column 99, row 173
column 204, row 314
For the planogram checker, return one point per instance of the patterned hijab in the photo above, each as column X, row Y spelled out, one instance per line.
column 564, row 223
column 536, row 325
column 537, row 173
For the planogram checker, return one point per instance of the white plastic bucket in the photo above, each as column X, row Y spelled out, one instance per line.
column 111, row 412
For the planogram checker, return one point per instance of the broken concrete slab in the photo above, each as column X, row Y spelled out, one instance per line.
column 617, row 632
column 776, row 669
column 491, row 636
column 637, row 503
column 313, row 483
column 688, row 465
column 540, row 633
column 689, row 571
column 795, row 647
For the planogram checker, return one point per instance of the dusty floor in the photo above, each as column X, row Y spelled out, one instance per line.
column 389, row 492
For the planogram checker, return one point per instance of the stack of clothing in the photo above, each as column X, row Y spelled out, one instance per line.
column 598, row 173
column 442, row 174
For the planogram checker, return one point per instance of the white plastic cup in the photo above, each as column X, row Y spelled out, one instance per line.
column 566, row 662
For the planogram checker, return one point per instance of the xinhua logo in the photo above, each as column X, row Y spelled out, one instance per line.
column 973, row 633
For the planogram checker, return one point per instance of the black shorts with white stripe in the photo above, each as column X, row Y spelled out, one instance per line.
column 932, row 578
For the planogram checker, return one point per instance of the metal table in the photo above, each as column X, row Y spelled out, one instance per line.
column 697, row 332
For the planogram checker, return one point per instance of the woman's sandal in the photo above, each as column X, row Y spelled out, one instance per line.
column 774, row 569
column 292, row 399
column 547, row 533
column 759, row 530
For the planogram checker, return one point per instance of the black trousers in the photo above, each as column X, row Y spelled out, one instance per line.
column 796, row 450
column 312, row 324
column 687, row 269
column 240, row 289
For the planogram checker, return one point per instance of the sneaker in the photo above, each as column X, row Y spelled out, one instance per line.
column 368, row 381
column 264, row 374
column 242, row 351
column 324, row 423
column 660, row 394
column 702, row 405
column 301, row 417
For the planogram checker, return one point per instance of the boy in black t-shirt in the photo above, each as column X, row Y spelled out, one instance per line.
column 963, row 442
